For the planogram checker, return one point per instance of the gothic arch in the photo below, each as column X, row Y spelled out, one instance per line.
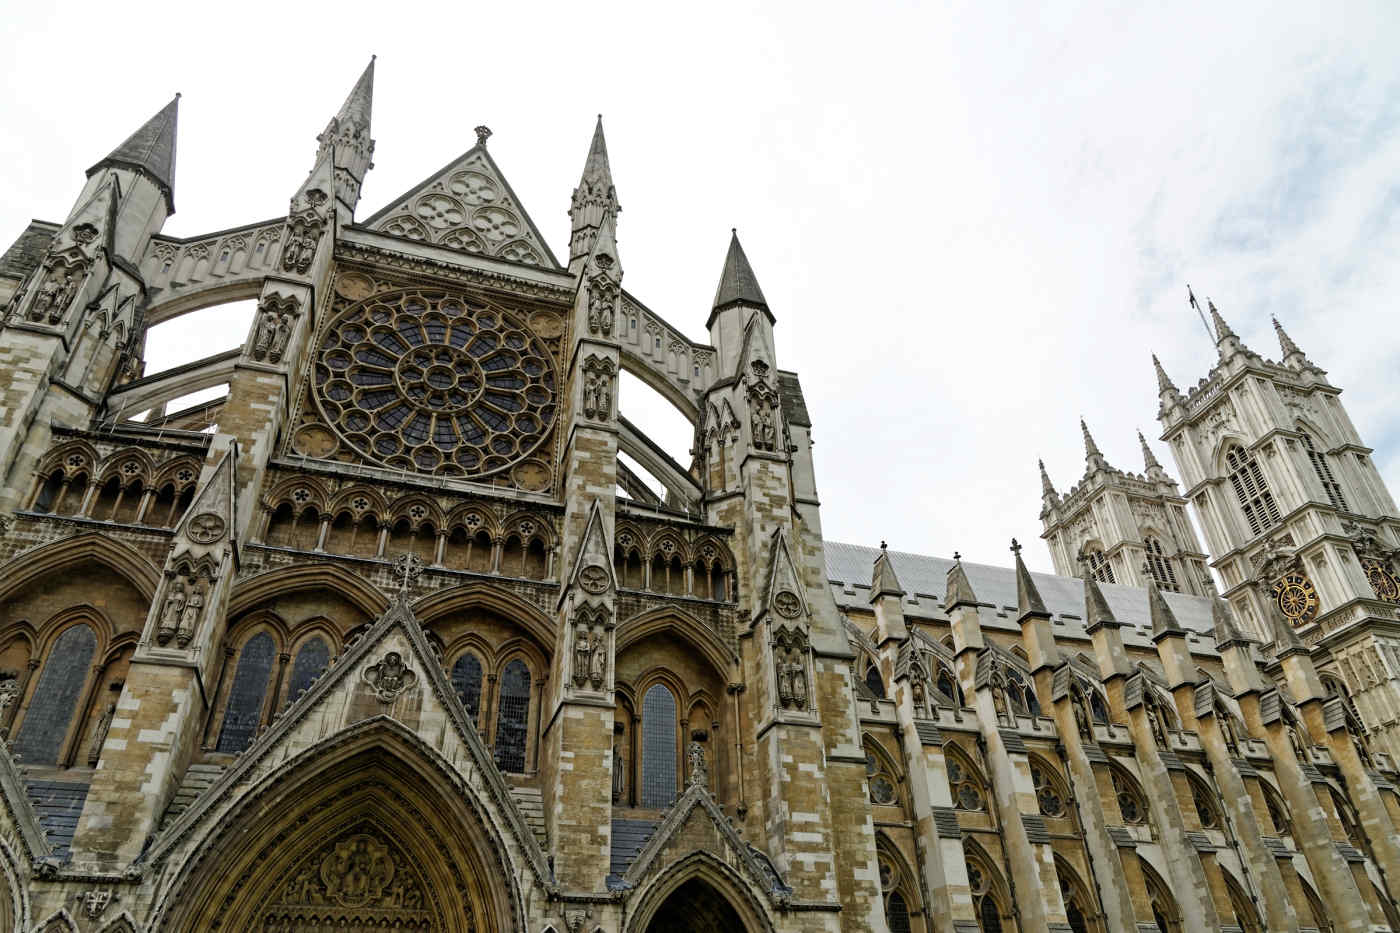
column 702, row 867
column 376, row 780
column 538, row 626
column 14, row 894
column 32, row 565
column 669, row 620
column 352, row 587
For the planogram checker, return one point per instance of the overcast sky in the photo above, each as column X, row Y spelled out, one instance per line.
column 973, row 221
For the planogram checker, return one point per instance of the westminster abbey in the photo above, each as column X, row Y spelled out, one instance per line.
column 411, row 629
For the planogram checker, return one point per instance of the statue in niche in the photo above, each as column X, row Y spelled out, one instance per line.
column 1081, row 717
column 1227, row 728
column 583, row 654
column 919, row 694
column 194, row 608
column 281, row 335
column 770, row 440
column 63, row 298
column 784, row 671
column 172, row 613
column 699, row 771
column 618, row 775
column 601, row 314
column 1001, row 704
column 47, row 298
column 300, row 251
column 9, row 693
column 265, row 334
column 104, row 723
column 600, row 660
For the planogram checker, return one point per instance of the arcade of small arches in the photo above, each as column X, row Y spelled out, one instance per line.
column 126, row 486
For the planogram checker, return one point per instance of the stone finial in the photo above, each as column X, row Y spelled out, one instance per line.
column 1149, row 459
column 359, row 105
column 483, row 133
column 1164, row 382
column 883, row 581
column 1028, row 599
column 1222, row 617
column 1222, row 330
column 1097, row 614
column 1047, row 488
column 1286, row 640
column 958, row 591
column 1164, row 624
column 1285, row 342
column 1092, row 455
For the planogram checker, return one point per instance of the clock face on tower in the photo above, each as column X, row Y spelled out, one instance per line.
column 1296, row 598
column 434, row 383
column 1382, row 581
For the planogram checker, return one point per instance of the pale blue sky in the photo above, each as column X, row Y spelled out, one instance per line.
column 974, row 221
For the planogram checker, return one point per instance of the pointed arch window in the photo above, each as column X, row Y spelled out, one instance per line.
column 50, row 715
column 1324, row 474
column 1256, row 500
column 985, row 902
column 466, row 683
column 658, row 748
column 1048, row 792
column 1206, row 809
column 1160, row 566
column 243, row 712
column 879, row 780
column 512, row 717
column 1246, row 918
column 1099, row 566
column 1278, row 810
column 1164, row 911
column 874, row 681
column 312, row 659
column 964, row 785
column 894, row 886
column 1131, row 803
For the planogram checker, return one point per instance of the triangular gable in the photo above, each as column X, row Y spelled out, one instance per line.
column 468, row 206
column 363, row 665
column 785, row 595
column 696, row 805
column 593, row 568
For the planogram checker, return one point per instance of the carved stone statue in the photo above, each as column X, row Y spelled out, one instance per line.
column 280, row 337
column 104, row 723
column 699, row 771
column 1081, row 718
column 194, row 608
column 173, row 612
column 799, row 685
column 784, row 670
column 62, row 298
column 583, row 654
column 600, row 661
column 266, row 332
column 919, row 695
column 1001, row 704
column 618, row 776
column 299, row 252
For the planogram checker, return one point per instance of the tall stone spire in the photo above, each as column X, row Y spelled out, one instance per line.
column 1047, row 488
column 1149, row 459
column 1164, row 382
column 1293, row 355
column 737, row 283
column 1222, row 330
column 347, row 144
column 594, row 201
column 359, row 105
column 1092, row 455
column 150, row 151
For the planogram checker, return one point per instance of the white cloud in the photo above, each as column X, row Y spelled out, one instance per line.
column 973, row 220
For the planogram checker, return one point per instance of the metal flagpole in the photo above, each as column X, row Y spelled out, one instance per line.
column 1191, row 297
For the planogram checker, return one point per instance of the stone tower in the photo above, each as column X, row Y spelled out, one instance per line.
column 1120, row 527
column 1294, row 510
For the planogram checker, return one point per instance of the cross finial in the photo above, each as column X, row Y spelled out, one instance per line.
column 883, row 545
column 407, row 567
column 957, row 557
column 483, row 133
column 1015, row 547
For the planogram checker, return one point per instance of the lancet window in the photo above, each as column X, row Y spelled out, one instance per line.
column 1164, row 911
column 1160, row 565
column 466, row 683
column 659, row 748
column 880, row 779
column 1256, row 500
column 987, row 898
column 897, row 891
column 243, row 712
column 1099, row 566
column 965, row 785
column 512, row 717
column 49, row 717
column 1324, row 473
column 1207, row 811
column 1049, row 793
column 312, row 658
column 1131, row 802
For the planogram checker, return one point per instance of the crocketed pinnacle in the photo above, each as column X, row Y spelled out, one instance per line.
column 737, row 283
column 1047, row 488
column 1164, row 622
column 1222, row 330
column 150, row 151
column 1164, row 382
column 1286, row 343
column 1096, row 611
column 356, row 110
column 883, row 581
column 1223, row 619
column 1028, row 599
column 1091, row 449
column 1149, row 459
column 596, row 168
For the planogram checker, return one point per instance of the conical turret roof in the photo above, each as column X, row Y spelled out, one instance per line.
column 151, row 151
column 737, row 283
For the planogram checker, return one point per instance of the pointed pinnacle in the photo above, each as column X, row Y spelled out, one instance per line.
column 737, row 282
column 883, row 581
column 1164, row 382
column 1047, row 488
column 359, row 104
column 596, row 167
column 958, row 591
column 1096, row 611
column 1028, row 599
column 1164, row 622
column 1223, row 618
column 1222, row 330
column 1286, row 640
column 1091, row 449
column 1285, row 342
column 150, row 150
column 1149, row 459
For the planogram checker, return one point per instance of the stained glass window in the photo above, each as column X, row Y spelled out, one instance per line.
column 875, row 682
column 512, row 717
column 311, row 661
column 51, row 709
column 243, row 713
column 897, row 913
column 658, row 748
column 466, row 683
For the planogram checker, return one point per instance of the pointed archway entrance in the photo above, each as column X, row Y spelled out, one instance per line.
column 696, row 907
column 366, row 837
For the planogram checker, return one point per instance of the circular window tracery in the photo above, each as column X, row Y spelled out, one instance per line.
column 434, row 383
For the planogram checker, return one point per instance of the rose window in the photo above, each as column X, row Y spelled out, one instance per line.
column 428, row 382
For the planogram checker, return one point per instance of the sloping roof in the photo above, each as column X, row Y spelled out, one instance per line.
column 151, row 149
column 848, row 569
column 737, row 283
column 25, row 254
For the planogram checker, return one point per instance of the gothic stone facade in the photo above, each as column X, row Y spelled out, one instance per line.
column 388, row 636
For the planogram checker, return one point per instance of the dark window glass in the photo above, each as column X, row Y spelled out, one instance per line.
column 874, row 682
column 51, row 710
column 989, row 916
column 897, row 912
column 466, row 683
column 512, row 718
column 658, row 748
column 245, row 698
column 311, row 661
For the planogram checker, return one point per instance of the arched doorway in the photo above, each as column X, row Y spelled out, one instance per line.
column 696, row 907
column 360, row 835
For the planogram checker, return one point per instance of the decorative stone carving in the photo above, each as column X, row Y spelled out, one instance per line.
column 104, row 723
column 790, row 664
column 590, row 647
column 358, row 881
column 206, row 528
column 305, row 224
column 407, row 567
column 593, row 579
column 699, row 770
column 95, row 902
column 173, row 612
column 786, row 604
column 602, row 302
column 272, row 329
column 598, row 387
column 189, row 618
column 390, row 677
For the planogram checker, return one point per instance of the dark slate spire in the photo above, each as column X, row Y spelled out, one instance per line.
column 737, row 283
column 1164, row 624
column 150, row 151
column 1096, row 611
column 883, row 581
column 1164, row 382
column 957, row 591
column 1028, row 599
column 359, row 105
